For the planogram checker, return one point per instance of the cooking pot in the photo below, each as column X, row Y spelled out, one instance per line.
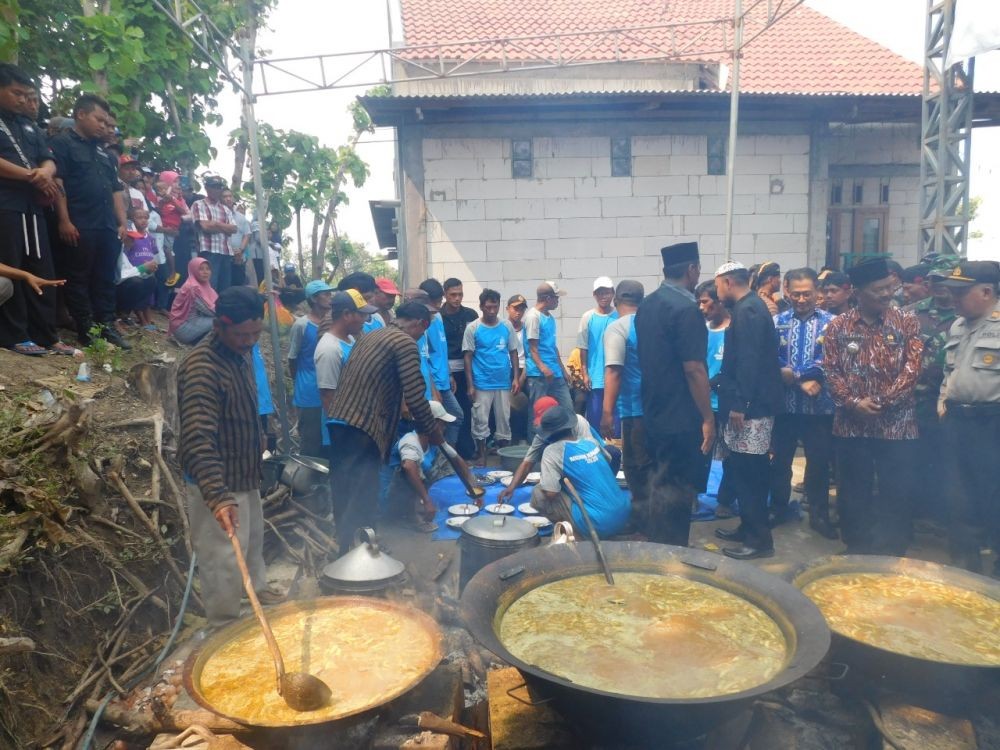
column 302, row 473
column 271, row 469
column 511, row 456
column 488, row 538
column 616, row 717
column 931, row 683
column 365, row 569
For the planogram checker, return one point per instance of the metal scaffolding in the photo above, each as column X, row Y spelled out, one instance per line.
column 946, row 139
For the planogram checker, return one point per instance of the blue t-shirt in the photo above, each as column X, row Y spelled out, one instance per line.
column 583, row 463
column 591, row 337
column 265, row 405
column 716, row 342
column 621, row 349
column 543, row 328
column 409, row 447
column 491, row 347
column 437, row 343
column 425, row 364
column 345, row 352
column 302, row 347
column 373, row 323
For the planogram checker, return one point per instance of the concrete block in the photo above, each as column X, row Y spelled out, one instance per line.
column 600, row 166
column 589, row 268
column 484, row 273
column 578, row 247
column 616, row 247
column 746, row 145
column 431, row 148
column 688, row 145
column 567, row 208
column 686, row 205
column 711, row 185
column 800, row 223
column 742, row 244
column 514, row 208
column 471, row 148
column 795, row 164
column 782, row 144
column 710, row 245
column 690, row 165
column 631, row 267
column 794, row 184
column 519, row 250
column 461, row 231
column 439, row 190
column 763, row 224
column 561, row 187
column 456, row 252
column 795, row 203
column 435, row 169
column 580, row 146
column 710, row 224
column 563, row 167
column 602, row 187
column 761, row 165
column 663, row 185
column 650, row 166
column 646, row 226
column 651, row 145
column 528, row 273
column 466, row 189
column 529, row 229
column 468, row 210
column 496, row 169
column 441, row 210
column 774, row 244
column 596, row 227
column 750, row 184
column 631, row 206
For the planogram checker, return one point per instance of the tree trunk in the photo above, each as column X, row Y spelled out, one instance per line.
column 318, row 252
column 325, row 236
column 240, row 155
column 298, row 238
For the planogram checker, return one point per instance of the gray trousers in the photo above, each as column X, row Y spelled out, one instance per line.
column 497, row 401
column 221, row 581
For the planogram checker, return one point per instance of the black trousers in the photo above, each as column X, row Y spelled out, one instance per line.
column 27, row 315
column 465, row 445
column 816, row 434
column 637, row 465
column 725, row 495
column 750, row 474
column 354, row 481
column 931, row 492
column 678, row 473
column 970, row 446
column 90, row 269
column 135, row 294
column 870, row 523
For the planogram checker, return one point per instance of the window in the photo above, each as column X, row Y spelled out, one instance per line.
column 883, row 192
column 621, row 157
column 836, row 193
column 717, row 154
column 858, row 194
column 521, row 161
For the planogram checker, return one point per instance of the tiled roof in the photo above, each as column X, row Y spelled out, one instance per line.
column 804, row 53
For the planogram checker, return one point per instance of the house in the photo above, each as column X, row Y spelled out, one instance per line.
column 562, row 145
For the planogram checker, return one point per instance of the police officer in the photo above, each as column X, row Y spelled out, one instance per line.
column 970, row 405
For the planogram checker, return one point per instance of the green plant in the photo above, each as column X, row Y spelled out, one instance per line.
column 100, row 352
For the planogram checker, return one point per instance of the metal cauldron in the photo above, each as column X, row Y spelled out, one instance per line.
column 366, row 569
column 511, row 456
column 488, row 538
column 303, row 473
column 935, row 684
column 614, row 717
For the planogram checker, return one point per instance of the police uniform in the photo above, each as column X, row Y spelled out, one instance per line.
column 970, row 394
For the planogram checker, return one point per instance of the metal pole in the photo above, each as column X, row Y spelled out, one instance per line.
column 734, row 111
column 253, row 148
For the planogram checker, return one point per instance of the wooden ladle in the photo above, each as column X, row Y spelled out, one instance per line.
column 301, row 691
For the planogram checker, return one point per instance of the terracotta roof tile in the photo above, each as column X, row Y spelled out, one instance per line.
column 805, row 52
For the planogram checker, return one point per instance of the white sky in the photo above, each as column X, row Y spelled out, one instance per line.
column 304, row 27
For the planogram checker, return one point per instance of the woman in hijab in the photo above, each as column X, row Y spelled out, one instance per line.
column 193, row 310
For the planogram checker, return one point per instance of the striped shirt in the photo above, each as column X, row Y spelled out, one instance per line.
column 212, row 242
column 383, row 370
column 220, row 443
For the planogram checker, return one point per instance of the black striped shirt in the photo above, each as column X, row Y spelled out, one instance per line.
column 382, row 371
column 220, row 446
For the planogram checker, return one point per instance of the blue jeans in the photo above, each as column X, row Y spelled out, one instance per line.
column 451, row 405
column 222, row 270
column 538, row 387
column 595, row 410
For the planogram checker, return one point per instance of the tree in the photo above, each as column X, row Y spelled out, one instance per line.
column 975, row 202
column 345, row 256
column 161, row 88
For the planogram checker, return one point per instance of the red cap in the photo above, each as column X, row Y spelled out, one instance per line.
column 386, row 285
column 126, row 159
column 542, row 405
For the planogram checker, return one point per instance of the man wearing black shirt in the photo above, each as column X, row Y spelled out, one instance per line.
column 92, row 222
column 455, row 318
column 750, row 395
column 676, row 401
column 27, row 181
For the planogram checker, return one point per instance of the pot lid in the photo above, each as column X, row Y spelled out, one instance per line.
column 499, row 528
column 316, row 464
column 365, row 562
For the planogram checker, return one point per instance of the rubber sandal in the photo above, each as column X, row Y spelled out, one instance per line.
column 60, row 348
column 172, row 281
column 151, row 328
column 29, row 348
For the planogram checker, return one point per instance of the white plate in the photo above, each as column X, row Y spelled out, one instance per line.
column 463, row 509
column 506, row 481
column 456, row 521
column 533, row 477
column 539, row 522
column 499, row 475
column 500, row 509
column 527, row 509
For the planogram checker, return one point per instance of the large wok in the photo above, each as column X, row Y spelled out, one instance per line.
column 935, row 683
column 648, row 722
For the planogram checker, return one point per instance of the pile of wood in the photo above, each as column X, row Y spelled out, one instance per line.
column 303, row 535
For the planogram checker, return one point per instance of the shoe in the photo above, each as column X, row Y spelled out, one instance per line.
column 823, row 527
column 60, row 348
column 800, row 487
column 724, row 511
column 172, row 281
column 29, row 348
column 271, row 596
column 730, row 535
column 747, row 553
column 783, row 516
column 112, row 336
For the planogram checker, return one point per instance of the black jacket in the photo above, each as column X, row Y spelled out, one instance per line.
column 750, row 379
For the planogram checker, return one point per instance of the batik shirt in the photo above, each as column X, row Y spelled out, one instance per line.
column 800, row 348
column 880, row 361
column 935, row 323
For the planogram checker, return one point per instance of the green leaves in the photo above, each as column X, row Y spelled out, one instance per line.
column 98, row 60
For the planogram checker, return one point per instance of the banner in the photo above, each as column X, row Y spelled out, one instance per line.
column 977, row 29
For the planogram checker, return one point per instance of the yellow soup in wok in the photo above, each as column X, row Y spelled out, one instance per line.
column 649, row 635
column 911, row 616
column 366, row 654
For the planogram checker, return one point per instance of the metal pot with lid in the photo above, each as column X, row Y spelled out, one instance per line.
column 486, row 539
column 365, row 569
column 303, row 473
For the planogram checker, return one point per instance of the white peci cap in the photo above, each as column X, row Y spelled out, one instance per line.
column 603, row 282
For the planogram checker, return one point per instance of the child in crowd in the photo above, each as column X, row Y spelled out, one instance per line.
column 172, row 209
column 137, row 284
column 193, row 311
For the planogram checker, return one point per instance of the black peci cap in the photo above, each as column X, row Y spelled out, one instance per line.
column 682, row 252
